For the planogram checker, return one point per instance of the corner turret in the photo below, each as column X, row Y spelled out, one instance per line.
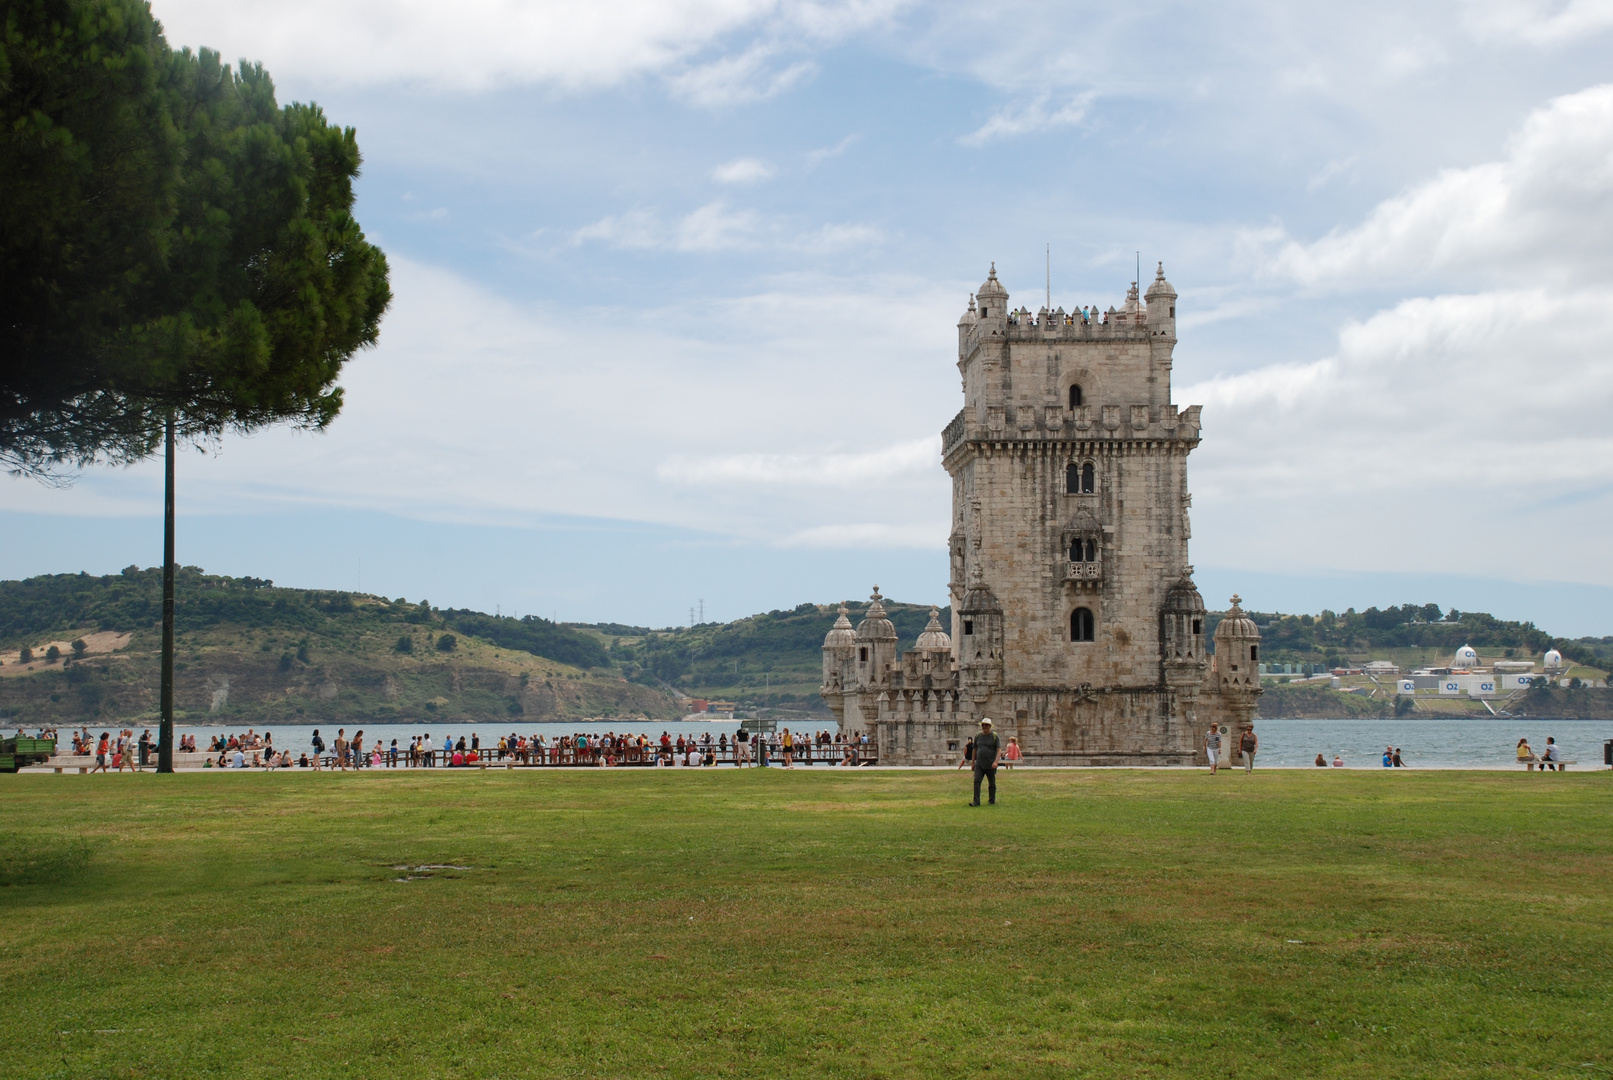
column 1162, row 306
column 876, row 642
column 992, row 297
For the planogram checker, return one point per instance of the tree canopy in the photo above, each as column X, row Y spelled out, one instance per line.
column 172, row 240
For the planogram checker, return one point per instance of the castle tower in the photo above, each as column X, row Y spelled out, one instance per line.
column 1075, row 622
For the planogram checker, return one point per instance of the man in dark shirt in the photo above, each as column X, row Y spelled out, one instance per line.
column 987, row 746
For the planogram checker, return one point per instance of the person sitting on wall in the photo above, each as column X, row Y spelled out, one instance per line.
column 1526, row 756
column 1321, row 762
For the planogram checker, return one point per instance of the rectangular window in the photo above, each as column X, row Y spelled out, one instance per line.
column 968, row 626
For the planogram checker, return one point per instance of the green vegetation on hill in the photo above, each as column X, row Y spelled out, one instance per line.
column 773, row 659
column 1332, row 639
column 251, row 653
column 1323, row 924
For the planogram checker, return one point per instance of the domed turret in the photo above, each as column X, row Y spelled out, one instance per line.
column 1182, row 625
column 934, row 639
column 980, row 617
column 1162, row 305
column 876, row 642
column 992, row 297
column 839, row 661
column 970, row 315
column 1237, row 650
column 1466, row 657
column 841, row 635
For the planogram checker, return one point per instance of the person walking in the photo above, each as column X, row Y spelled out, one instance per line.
column 986, row 746
column 1212, row 748
column 968, row 753
column 1249, row 743
column 101, row 751
column 357, row 747
column 789, row 749
column 319, row 749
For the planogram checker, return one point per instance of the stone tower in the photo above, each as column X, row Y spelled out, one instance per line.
column 1075, row 622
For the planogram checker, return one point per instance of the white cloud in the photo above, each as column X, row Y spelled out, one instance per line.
column 832, row 238
column 1545, row 210
column 742, row 171
column 824, row 153
column 476, row 44
column 1536, row 22
column 697, row 415
column 867, row 535
column 816, row 470
column 1441, row 425
column 716, row 227
column 712, row 227
column 1038, row 115
column 739, row 80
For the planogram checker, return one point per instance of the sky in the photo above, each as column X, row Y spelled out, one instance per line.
column 677, row 281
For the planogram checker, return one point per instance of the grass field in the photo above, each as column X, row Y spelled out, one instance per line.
column 869, row 924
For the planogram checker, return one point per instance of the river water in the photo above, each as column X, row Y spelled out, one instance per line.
column 1424, row 743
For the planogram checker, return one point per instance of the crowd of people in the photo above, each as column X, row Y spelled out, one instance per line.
column 782, row 748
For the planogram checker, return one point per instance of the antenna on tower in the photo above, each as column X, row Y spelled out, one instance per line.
column 1050, row 277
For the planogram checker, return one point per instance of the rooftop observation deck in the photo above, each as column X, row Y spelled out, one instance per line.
column 1059, row 325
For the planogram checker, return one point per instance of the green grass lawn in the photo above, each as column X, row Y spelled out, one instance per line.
column 868, row 924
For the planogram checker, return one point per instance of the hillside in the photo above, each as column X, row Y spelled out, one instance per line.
column 773, row 659
column 248, row 652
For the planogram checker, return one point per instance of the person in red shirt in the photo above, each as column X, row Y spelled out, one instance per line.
column 100, row 753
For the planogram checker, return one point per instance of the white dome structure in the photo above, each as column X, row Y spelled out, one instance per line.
column 934, row 639
column 1554, row 660
column 1466, row 657
column 841, row 634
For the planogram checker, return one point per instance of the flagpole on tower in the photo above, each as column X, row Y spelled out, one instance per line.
column 1050, row 276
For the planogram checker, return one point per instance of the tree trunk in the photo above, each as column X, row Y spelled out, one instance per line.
column 165, row 736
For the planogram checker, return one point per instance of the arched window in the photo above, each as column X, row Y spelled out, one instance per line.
column 1082, row 627
column 1083, row 550
column 1072, row 479
column 1089, row 479
column 1076, row 400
